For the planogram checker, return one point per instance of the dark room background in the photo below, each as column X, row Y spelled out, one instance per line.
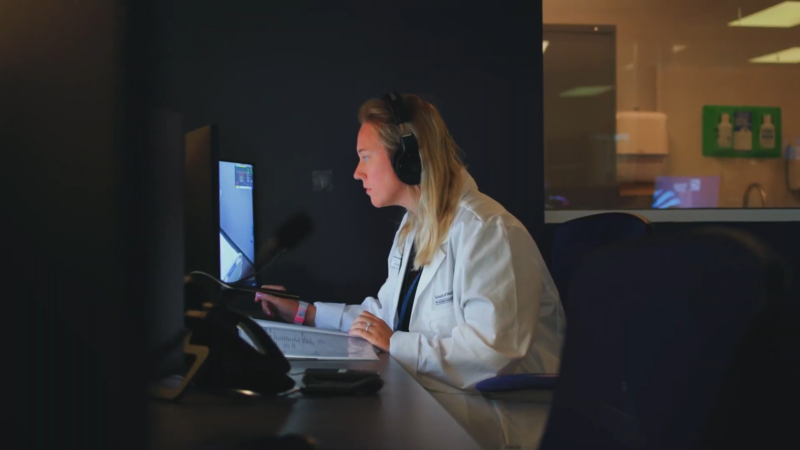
column 283, row 80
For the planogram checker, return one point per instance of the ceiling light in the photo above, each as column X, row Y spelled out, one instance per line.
column 788, row 56
column 782, row 15
column 585, row 91
column 678, row 48
column 545, row 44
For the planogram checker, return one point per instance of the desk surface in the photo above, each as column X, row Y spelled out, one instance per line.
column 403, row 415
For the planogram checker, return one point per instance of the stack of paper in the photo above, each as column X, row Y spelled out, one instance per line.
column 301, row 342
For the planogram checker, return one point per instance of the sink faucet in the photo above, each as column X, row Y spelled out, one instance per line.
column 761, row 191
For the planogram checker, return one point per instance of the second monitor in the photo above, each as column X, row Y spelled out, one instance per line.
column 236, row 221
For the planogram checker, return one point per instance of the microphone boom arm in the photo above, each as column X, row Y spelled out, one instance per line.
column 274, row 292
column 260, row 270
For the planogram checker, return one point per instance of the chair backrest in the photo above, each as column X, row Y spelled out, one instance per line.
column 660, row 324
column 756, row 405
column 577, row 238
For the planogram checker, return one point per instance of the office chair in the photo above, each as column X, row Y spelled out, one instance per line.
column 574, row 239
column 661, row 323
column 755, row 404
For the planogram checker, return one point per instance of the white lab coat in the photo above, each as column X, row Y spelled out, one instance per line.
column 486, row 305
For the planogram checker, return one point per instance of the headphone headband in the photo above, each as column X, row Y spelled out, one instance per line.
column 399, row 112
column 406, row 161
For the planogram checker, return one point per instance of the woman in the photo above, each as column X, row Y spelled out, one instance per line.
column 468, row 295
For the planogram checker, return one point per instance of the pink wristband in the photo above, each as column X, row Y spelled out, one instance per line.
column 300, row 317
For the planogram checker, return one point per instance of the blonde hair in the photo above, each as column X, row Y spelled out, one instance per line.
column 442, row 178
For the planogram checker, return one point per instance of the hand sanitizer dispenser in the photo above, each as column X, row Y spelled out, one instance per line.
column 725, row 132
column 767, row 133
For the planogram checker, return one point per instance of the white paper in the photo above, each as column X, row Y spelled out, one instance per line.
column 301, row 342
column 291, row 326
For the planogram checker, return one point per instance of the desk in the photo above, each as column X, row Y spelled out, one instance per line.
column 402, row 416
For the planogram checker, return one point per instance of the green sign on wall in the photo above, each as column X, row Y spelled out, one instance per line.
column 742, row 131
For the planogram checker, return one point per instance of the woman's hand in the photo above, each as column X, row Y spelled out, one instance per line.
column 377, row 333
column 284, row 308
column 276, row 306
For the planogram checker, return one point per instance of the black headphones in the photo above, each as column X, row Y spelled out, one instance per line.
column 406, row 161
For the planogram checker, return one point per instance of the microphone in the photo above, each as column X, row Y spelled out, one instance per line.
column 289, row 234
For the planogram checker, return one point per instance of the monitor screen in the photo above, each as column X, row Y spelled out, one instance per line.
column 236, row 223
column 686, row 192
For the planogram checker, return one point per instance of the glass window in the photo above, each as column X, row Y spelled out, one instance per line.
column 672, row 107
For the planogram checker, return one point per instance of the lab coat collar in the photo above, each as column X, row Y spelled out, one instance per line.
column 468, row 183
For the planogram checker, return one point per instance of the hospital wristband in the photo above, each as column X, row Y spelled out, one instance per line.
column 300, row 317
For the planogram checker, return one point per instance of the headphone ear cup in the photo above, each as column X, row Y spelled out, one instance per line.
column 406, row 162
column 396, row 165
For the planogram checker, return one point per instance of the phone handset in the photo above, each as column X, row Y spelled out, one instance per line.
column 232, row 353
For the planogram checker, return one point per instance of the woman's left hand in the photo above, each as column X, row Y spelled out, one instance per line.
column 377, row 333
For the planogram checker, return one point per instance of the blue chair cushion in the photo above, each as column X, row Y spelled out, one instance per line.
column 517, row 382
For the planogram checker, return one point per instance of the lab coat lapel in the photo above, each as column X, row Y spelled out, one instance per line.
column 400, row 276
column 429, row 271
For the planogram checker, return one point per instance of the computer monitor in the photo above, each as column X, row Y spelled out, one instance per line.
column 202, row 200
column 220, row 225
column 236, row 221
column 686, row 192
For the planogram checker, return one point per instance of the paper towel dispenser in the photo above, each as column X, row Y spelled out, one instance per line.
column 641, row 133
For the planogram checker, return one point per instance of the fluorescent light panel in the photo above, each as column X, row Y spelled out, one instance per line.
column 788, row 56
column 545, row 44
column 585, row 91
column 782, row 15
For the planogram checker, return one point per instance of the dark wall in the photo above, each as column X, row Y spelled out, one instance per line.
column 72, row 134
column 284, row 80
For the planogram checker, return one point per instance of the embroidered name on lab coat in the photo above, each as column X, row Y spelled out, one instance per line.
column 396, row 262
column 440, row 300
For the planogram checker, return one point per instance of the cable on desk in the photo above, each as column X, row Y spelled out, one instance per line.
column 289, row 392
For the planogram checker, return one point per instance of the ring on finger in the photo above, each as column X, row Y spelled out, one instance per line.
column 368, row 325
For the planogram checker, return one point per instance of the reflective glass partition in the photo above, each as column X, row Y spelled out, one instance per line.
column 679, row 110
